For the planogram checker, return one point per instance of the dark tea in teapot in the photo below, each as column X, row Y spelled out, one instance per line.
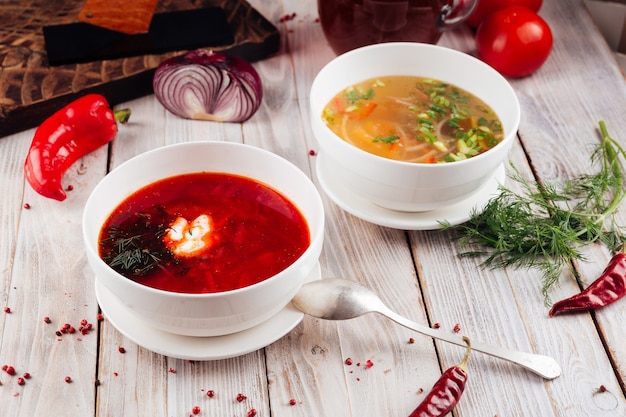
column 350, row 24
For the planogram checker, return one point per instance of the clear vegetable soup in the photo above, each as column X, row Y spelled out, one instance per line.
column 413, row 119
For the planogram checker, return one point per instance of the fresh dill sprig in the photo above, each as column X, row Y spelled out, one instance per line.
column 545, row 226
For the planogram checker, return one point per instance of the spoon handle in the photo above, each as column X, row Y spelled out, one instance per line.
column 541, row 365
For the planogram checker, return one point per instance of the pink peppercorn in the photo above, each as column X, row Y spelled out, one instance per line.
column 195, row 410
column 10, row 370
column 210, row 393
column 292, row 402
column 241, row 397
column 68, row 379
column 26, row 206
column 7, row 310
column 121, row 349
column 252, row 412
column 20, row 381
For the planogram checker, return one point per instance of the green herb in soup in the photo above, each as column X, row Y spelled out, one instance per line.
column 413, row 119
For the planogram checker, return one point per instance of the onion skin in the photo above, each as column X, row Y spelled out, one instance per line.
column 208, row 85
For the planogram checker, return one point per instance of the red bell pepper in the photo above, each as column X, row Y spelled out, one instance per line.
column 79, row 128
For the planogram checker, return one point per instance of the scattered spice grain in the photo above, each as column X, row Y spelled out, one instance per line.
column 457, row 328
column 7, row 310
column 195, row 410
column 287, row 17
column 68, row 379
column 241, row 397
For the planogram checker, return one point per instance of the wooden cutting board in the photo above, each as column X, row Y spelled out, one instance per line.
column 31, row 90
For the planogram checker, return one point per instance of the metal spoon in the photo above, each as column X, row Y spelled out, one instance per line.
column 341, row 299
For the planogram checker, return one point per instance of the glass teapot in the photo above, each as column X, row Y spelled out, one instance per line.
column 349, row 24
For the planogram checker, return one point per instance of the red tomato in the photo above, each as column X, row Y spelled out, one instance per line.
column 485, row 7
column 515, row 41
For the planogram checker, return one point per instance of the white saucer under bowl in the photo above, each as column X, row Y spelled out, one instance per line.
column 425, row 220
column 198, row 348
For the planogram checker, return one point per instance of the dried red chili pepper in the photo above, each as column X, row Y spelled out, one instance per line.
column 79, row 128
column 608, row 288
column 447, row 391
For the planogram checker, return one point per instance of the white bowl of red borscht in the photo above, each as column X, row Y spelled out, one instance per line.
column 204, row 238
column 412, row 127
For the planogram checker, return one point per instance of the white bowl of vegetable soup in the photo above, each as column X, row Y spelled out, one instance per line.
column 412, row 127
column 204, row 238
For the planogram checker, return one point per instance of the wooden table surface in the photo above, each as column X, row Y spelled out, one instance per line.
column 43, row 270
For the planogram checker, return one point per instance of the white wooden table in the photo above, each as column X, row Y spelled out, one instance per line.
column 43, row 271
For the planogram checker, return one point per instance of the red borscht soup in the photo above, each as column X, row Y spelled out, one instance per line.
column 203, row 233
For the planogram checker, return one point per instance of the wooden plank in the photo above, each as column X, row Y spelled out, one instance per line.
column 46, row 275
column 553, row 141
column 314, row 371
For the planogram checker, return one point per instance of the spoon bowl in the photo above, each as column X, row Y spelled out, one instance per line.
column 341, row 299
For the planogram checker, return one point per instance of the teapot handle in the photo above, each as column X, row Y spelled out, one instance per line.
column 455, row 12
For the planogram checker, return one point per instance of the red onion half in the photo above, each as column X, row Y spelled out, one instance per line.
column 208, row 85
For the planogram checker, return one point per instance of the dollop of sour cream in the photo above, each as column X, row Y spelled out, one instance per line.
column 188, row 239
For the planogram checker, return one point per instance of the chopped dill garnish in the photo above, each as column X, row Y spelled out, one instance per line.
column 387, row 139
column 546, row 225
column 354, row 95
column 136, row 248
